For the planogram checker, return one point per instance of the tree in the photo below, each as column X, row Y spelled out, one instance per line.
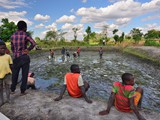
column 60, row 35
column 152, row 34
column 7, row 29
column 115, row 31
column 121, row 38
column 75, row 32
column 51, row 35
column 116, row 37
column 30, row 33
column 88, row 31
column 136, row 34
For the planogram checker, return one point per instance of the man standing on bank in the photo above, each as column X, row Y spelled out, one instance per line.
column 21, row 59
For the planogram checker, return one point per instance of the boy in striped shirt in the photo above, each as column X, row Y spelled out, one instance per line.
column 124, row 97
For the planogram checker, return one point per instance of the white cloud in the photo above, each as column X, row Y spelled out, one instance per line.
column 72, row 10
column 15, row 16
column 121, row 9
column 12, row 4
column 67, row 26
column 123, row 21
column 66, row 19
column 70, row 34
column 151, row 18
column 40, row 17
column 39, row 26
column 53, row 26
column 148, row 27
column 100, row 25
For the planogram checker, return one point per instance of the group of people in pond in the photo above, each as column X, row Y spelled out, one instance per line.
column 65, row 54
column 123, row 95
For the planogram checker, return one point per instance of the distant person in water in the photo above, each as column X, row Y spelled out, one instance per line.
column 78, row 51
column 74, row 55
column 67, row 54
column 51, row 56
column 74, row 84
column 63, row 52
column 124, row 97
column 100, row 52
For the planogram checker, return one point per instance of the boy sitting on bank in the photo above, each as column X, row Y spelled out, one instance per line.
column 5, row 72
column 124, row 97
column 75, row 85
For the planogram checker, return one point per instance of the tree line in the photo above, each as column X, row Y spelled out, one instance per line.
column 8, row 28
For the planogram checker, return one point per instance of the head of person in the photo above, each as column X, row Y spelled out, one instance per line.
column 31, row 74
column 128, row 79
column 2, row 48
column 75, row 68
column 22, row 25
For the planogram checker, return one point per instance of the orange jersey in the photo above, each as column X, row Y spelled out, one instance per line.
column 72, row 85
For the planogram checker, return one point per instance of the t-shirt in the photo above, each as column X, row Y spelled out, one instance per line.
column 123, row 93
column 73, row 81
column 5, row 62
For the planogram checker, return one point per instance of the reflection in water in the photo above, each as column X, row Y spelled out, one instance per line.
column 100, row 73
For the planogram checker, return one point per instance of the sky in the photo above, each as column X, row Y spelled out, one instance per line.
column 45, row 15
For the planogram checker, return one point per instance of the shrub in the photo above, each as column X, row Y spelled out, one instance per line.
column 151, row 43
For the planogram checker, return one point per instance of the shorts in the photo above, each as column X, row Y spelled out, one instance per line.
column 7, row 79
column 137, row 98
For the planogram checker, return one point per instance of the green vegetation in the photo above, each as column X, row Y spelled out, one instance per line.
column 152, row 43
column 56, row 38
column 141, row 54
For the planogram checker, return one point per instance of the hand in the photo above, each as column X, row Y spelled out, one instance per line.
column 104, row 112
column 58, row 98
column 88, row 101
column 25, row 51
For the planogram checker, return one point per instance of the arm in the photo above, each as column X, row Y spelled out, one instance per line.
column 32, row 42
column 135, row 110
column 61, row 94
column 110, row 104
column 11, row 67
column 84, row 94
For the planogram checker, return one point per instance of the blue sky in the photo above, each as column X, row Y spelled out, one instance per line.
column 44, row 15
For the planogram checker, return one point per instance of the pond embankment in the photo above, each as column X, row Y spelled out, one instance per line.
column 39, row 104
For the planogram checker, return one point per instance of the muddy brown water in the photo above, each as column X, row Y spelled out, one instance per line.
column 100, row 73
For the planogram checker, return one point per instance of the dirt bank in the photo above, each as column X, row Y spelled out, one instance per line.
column 38, row 105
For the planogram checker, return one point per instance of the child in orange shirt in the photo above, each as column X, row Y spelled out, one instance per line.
column 75, row 85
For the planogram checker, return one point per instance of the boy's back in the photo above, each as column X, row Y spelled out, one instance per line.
column 123, row 93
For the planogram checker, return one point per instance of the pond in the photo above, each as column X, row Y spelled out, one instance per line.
column 100, row 73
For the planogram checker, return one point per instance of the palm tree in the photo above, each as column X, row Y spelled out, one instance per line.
column 136, row 34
